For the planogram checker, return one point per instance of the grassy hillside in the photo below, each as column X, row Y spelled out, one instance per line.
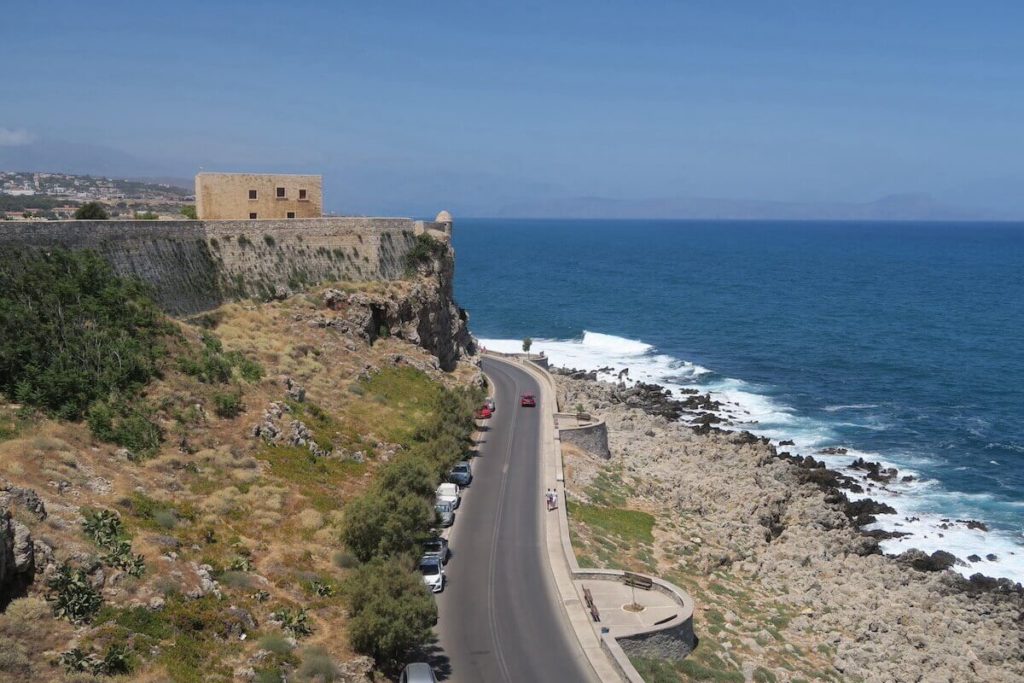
column 204, row 483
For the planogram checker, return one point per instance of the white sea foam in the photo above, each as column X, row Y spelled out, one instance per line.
column 748, row 408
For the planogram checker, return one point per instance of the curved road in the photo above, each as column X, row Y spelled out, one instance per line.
column 499, row 616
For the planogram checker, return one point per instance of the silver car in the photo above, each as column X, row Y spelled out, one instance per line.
column 445, row 513
column 417, row 673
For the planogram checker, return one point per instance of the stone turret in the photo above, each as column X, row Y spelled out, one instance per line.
column 445, row 219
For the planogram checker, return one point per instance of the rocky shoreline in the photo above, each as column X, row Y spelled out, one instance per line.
column 785, row 524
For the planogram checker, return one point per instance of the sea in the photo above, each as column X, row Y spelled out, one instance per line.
column 900, row 342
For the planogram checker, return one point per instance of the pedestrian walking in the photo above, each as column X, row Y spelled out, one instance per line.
column 554, row 499
column 549, row 498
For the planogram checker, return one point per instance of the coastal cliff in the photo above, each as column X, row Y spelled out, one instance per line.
column 787, row 585
column 193, row 530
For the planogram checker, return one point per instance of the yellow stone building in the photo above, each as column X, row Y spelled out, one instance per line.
column 258, row 196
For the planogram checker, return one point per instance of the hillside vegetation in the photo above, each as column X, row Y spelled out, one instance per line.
column 235, row 498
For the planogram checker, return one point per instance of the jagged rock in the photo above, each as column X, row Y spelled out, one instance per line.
column 938, row 561
column 974, row 524
column 334, row 299
column 17, row 557
column 295, row 391
column 26, row 499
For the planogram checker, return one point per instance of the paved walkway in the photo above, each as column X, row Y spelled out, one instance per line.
column 612, row 597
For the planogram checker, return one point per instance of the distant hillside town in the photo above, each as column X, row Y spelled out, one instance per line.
column 51, row 196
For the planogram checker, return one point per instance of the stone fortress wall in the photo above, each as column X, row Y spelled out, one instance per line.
column 195, row 266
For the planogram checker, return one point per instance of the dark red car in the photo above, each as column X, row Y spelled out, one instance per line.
column 483, row 413
column 527, row 401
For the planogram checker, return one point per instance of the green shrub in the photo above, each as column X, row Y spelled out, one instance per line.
column 72, row 596
column 384, row 524
column 228, row 404
column 295, row 622
column 189, row 211
column 114, row 662
column 91, row 211
column 72, row 332
column 425, row 250
column 126, row 425
column 391, row 614
column 269, row 239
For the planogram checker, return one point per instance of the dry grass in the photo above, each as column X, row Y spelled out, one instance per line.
column 265, row 518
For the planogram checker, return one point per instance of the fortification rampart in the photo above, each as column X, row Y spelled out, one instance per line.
column 195, row 266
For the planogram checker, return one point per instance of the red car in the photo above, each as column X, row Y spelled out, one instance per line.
column 527, row 401
column 483, row 413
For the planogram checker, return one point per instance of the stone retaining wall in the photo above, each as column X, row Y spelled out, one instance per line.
column 195, row 266
column 592, row 437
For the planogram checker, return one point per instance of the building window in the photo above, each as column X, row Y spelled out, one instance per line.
column 252, row 194
column 252, row 216
column 280, row 193
column 302, row 194
column 291, row 214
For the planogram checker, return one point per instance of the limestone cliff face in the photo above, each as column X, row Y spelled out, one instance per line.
column 424, row 312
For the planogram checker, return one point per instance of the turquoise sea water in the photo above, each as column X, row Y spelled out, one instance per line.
column 901, row 342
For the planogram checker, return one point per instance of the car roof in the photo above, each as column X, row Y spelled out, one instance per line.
column 419, row 673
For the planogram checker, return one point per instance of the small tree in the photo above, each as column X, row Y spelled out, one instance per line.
column 579, row 412
column 91, row 211
column 392, row 615
column 527, row 343
column 189, row 211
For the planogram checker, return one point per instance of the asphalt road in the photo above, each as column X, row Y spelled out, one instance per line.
column 499, row 617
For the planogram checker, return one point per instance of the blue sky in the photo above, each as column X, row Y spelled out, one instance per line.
column 407, row 106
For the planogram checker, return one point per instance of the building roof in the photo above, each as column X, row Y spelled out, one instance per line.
column 443, row 217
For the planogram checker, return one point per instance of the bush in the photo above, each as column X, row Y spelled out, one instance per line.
column 72, row 332
column 91, row 211
column 384, row 524
column 189, row 211
column 72, row 596
column 115, row 661
column 125, row 425
column 275, row 643
column 425, row 250
column 391, row 614
column 318, row 666
column 295, row 622
column 146, row 216
column 228, row 404
column 14, row 660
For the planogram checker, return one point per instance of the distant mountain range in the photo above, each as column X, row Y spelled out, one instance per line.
column 893, row 207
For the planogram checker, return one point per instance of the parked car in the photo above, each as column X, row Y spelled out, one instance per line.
column 490, row 404
column 461, row 474
column 433, row 573
column 449, row 493
column 437, row 546
column 528, row 401
column 445, row 513
column 417, row 673
column 483, row 413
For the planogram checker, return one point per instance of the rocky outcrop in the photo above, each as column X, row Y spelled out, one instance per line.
column 17, row 549
column 782, row 526
column 424, row 313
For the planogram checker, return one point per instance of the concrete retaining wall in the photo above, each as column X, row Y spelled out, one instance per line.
column 195, row 266
column 592, row 437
